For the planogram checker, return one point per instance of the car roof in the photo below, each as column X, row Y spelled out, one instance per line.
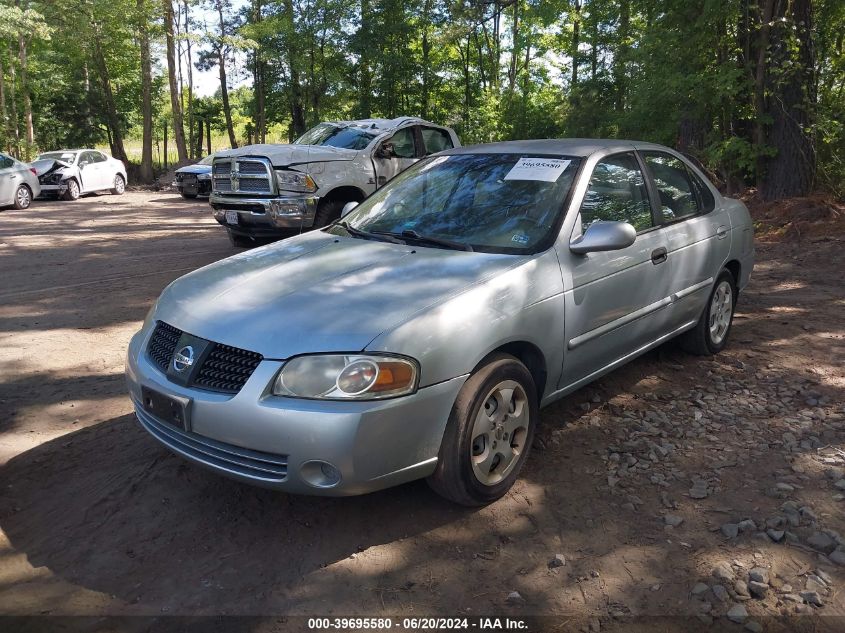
column 382, row 125
column 580, row 147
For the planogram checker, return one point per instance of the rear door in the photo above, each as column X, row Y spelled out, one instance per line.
column 103, row 169
column 610, row 311
column 697, row 233
column 405, row 153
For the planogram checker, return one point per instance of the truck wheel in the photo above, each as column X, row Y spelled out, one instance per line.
column 240, row 241
column 72, row 192
column 189, row 196
column 488, row 434
column 327, row 212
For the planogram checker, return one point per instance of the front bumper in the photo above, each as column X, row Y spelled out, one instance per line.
column 53, row 189
column 272, row 442
column 262, row 216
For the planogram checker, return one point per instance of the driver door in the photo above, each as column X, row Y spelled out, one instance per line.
column 404, row 154
column 87, row 173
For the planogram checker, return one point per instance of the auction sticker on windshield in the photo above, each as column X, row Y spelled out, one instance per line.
column 545, row 169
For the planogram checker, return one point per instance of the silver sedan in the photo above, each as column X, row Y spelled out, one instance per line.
column 18, row 183
column 419, row 336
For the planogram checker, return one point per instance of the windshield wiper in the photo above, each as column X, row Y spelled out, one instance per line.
column 426, row 239
column 381, row 237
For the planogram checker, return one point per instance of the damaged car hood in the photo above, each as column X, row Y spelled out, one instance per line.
column 320, row 293
column 47, row 166
column 282, row 155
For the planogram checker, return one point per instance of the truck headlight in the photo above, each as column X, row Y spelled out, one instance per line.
column 289, row 180
column 347, row 377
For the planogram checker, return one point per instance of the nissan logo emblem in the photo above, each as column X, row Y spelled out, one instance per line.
column 183, row 359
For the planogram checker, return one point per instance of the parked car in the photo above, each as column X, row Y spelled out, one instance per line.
column 18, row 183
column 194, row 180
column 262, row 191
column 418, row 336
column 70, row 173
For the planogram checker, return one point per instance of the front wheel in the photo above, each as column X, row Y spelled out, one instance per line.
column 189, row 196
column 239, row 241
column 488, row 435
column 72, row 192
column 327, row 212
column 710, row 334
column 119, row 185
column 23, row 197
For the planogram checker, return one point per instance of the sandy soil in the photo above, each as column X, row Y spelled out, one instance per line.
column 97, row 519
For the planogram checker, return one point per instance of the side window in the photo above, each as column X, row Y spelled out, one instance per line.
column 435, row 140
column 97, row 157
column 85, row 158
column 617, row 193
column 6, row 162
column 706, row 202
column 678, row 198
column 403, row 143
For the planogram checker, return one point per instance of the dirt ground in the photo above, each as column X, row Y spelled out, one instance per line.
column 644, row 482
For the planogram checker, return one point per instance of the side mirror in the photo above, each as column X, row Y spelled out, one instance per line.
column 604, row 236
column 83, row 164
column 347, row 208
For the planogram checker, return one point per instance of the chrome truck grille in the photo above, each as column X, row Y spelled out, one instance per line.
column 242, row 175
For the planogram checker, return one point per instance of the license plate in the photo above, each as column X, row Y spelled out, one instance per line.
column 166, row 408
column 231, row 217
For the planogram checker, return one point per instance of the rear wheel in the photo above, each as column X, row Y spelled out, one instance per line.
column 189, row 196
column 710, row 334
column 119, row 185
column 72, row 192
column 23, row 197
column 488, row 435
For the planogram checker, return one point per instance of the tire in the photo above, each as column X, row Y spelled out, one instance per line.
column 72, row 192
column 23, row 197
column 467, row 470
column 239, row 241
column 119, row 185
column 710, row 334
column 189, row 196
column 327, row 212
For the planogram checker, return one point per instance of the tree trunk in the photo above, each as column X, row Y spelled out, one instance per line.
column 297, row 108
column 621, row 54
column 4, row 116
column 208, row 134
column 178, row 128
column 15, row 137
column 576, row 41
column 224, row 88
column 111, row 110
column 259, row 73
column 199, row 137
column 791, row 105
column 190, row 85
column 27, row 102
column 145, row 174
column 165, row 147
column 365, row 75
column 760, row 80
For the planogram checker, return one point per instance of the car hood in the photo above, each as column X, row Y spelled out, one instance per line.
column 194, row 169
column 319, row 293
column 47, row 166
column 281, row 155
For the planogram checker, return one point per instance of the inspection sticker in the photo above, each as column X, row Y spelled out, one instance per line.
column 545, row 169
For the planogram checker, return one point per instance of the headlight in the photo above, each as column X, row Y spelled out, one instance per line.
column 346, row 377
column 203, row 176
column 289, row 180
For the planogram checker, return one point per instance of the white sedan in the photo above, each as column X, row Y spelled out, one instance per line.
column 18, row 184
column 71, row 173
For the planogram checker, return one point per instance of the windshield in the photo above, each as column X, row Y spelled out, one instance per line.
column 65, row 157
column 504, row 203
column 207, row 160
column 346, row 137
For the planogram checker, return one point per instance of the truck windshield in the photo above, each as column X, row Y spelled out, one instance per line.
column 502, row 203
column 346, row 137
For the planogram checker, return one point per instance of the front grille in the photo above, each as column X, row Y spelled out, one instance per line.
column 246, row 462
column 255, row 185
column 224, row 370
column 250, row 175
column 163, row 344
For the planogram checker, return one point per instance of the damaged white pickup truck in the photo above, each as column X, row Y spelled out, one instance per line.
column 269, row 191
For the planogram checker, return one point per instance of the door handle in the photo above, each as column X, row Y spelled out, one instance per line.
column 659, row 255
column 721, row 232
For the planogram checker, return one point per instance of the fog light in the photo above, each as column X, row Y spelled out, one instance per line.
column 320, row 474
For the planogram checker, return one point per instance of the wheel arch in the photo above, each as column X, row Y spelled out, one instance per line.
column 345, row 193
column 529, row 355
column 735, row 268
